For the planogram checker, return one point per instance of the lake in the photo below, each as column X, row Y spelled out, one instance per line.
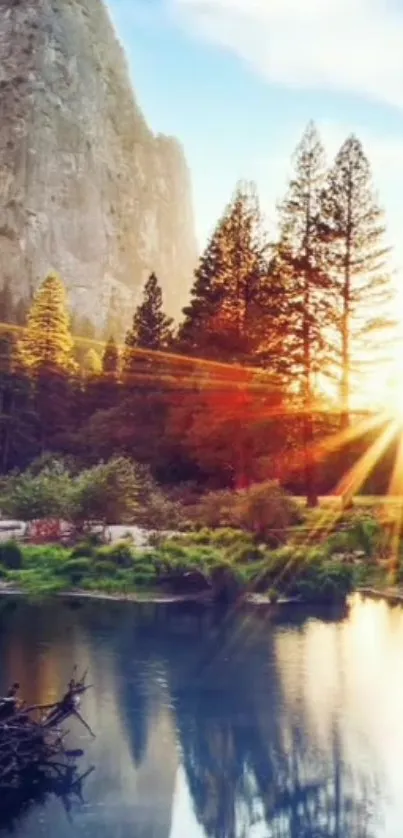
column 213, row 724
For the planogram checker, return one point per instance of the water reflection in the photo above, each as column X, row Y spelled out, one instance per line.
column 222, row 725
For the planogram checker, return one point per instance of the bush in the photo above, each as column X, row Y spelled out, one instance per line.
column 105, row 569
column 120, row 554
column 273, row 596
column 264, row 510
column 84, row 548
column 76, row 569
column 11, row 556
column 108, row 492
column 44, row 495
column 227, row 583
column 323, row 582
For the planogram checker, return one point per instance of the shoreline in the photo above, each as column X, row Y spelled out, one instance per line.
column 152, row 598
column 203, row 598
column 395, row 597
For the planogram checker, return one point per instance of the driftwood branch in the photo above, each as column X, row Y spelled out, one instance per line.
column 32, row 740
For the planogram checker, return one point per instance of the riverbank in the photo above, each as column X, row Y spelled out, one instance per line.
column 151, row 598
column 210, row 565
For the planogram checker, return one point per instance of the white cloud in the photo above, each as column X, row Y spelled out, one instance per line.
column 344, row 45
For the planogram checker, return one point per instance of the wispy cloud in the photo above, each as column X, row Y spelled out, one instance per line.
column 343, row 45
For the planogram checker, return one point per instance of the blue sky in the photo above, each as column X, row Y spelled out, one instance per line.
column 237, row 80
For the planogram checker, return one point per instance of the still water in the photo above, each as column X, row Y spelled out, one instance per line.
column 220, row 725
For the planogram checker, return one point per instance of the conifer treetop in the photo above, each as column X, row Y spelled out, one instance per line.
column 47, row 341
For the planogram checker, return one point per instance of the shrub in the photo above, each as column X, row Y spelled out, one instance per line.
column 323, row 582
column 43, row 495
column 108, row 492
column 74, row 570
column 157, row 512
column 367, row 535
column 227, row 583
column 11, row 556
column 85, row 548
column 273, row 595
column 120, row 554
column 264, row 510
column 105, row 568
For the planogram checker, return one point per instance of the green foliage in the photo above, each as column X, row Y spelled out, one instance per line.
column 323, row 582
column 92, row 363
column 120, row 554
column 184, row 566
column 47, row 340
column 357, row 255
column 264, row 510
column 151, row 328
column 221, row 318
column 358, row 534
column 109, row 492
column 44, row 495
column 74, row 570
column 157, row 512
column 11, row 555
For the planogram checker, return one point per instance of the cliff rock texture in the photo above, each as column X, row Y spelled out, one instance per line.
column 86, row 189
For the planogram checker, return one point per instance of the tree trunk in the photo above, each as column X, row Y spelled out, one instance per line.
column 345, row 384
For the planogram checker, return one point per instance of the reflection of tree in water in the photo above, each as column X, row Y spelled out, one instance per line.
column 66, row 784
column 249, row 757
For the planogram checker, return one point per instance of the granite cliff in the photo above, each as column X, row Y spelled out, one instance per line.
column 86, row 188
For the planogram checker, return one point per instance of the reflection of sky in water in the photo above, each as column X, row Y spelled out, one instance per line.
column 239, row 727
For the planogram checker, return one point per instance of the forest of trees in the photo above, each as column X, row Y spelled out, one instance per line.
column 235, row 393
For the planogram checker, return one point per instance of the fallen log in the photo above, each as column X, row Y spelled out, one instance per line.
column 32, row 742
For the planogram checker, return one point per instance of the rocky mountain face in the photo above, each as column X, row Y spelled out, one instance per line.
column 86, row 189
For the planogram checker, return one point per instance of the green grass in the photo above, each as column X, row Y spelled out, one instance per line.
column 229, row 561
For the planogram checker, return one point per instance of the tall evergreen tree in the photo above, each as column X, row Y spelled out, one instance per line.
column 92, row 363
column 357, row 257
column 302, row 258
column 47, row 342
column 221, row 319
column 46, row 351
column 18, row 421
column 151, row 328
column 110, row 358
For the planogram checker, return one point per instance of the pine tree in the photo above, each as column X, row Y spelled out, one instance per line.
column 46, row 351
column 110, row 359
column 92, row 363
column 17, row 418
column 301, row 255
column 220, row 321
column 357, row 257
column 151, row 328
column 47, row 343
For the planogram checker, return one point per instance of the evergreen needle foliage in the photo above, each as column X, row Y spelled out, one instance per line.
column 47, row 342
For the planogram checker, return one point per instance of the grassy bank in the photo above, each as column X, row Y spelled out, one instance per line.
column 222, row 563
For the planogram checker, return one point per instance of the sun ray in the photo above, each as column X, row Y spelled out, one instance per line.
column 395, row 491
column 355, row 477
